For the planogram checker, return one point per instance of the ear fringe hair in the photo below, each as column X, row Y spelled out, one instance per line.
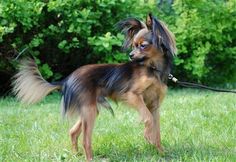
column 163, row 37
column 129, row 27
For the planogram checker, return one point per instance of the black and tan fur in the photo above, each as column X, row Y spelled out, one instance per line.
column 140, row 83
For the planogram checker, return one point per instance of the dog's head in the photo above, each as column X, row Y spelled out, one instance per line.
column 150, row 41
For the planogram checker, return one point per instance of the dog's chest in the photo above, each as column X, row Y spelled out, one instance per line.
column 155, row 93
column 151, row 93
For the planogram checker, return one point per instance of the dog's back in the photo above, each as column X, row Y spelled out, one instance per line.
column 91, row 84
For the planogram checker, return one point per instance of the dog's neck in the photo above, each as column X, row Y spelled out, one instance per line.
column 158, row 68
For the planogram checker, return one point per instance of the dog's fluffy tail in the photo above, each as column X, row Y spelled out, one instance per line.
column 28, row 84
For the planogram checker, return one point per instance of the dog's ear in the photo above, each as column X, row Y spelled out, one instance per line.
column 149, row 21
column 130, row 27
column 162, row 38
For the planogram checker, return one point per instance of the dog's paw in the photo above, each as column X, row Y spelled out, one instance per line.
column 150, row 136
column 160, row 150
column 75, row 149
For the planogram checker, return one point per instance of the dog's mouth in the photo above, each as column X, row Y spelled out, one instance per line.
column 138, row 60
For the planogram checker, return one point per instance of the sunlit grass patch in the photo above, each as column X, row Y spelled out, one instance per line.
column 195, row 126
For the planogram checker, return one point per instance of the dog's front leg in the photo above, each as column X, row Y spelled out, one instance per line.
column 156, row 128
column 136, row 100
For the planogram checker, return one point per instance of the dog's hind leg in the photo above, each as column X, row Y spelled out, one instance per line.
column 74, row 134
column 88, row 120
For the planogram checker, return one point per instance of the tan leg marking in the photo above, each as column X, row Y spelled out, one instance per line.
column 156, row 129
column 74, row 134
column 88, row 124
column 137, row 102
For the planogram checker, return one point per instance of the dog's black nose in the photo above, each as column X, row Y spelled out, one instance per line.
column 131, row 55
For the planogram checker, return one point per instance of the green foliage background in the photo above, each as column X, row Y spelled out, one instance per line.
column 64, row 34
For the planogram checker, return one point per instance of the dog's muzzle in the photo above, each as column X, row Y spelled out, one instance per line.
column 131, row 55
column 138, row 60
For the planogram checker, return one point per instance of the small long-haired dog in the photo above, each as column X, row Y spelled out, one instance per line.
column 141, row 83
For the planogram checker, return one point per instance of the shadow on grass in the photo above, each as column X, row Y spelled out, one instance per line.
column 181, row 152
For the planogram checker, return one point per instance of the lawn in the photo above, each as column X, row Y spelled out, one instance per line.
column 195, row 125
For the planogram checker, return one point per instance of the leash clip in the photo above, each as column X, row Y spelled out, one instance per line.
column 171, row 77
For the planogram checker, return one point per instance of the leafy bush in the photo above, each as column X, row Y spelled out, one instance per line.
column 205, row 32
column 62, row 35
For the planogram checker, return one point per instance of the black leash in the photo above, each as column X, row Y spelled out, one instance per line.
column 194, row 85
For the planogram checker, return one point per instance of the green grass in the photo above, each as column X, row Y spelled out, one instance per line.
column 195, row 125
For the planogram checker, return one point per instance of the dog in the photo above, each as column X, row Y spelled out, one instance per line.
column 141, row 82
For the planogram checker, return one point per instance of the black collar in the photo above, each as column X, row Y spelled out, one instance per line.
column 154, row 68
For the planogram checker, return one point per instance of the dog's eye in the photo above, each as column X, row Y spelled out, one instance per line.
column 143, row 46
